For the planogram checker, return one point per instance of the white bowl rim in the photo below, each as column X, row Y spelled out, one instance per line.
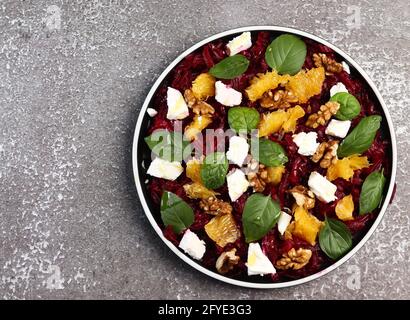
column 193, row 263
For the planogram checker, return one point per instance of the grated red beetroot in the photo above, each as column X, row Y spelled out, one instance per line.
column 298, row 168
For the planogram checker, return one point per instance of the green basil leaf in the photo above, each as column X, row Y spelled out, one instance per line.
column 286, row 54
column 175, row 212
column 230, row 67
column 335, row 238
column 360, row 138
column 214, row 170
column 349, row 106
column 372, row 192
column 243, row 118
column 167, row 145
column 269, row 153
column 260, row 214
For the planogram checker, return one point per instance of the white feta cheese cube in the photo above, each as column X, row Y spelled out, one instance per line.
column 338, row 128
column 177, row 107
column 237, row 184
column 338, row 87
column 346, row 67
column 321, row 187
column 192, row 245
column 257, row 262
column 152, row 112
column 306, row 143
column 165, row 169
column 283, row 222
column 238, row 150
column 239, row 43
column 227, row 96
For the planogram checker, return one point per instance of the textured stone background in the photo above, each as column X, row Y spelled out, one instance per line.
column 73, row 75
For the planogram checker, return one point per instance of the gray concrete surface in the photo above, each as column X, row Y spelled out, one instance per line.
column 73, row 75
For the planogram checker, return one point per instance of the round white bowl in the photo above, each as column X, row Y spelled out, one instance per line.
column 136, row 153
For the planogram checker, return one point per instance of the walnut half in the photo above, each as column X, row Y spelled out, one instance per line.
column 215, row 206
column 326, row 153
column 323, row 115
column 294, row 259
column 303, row 196
column 281, row 99
column 331, row 66
column 259, row 179
column 198, row 106
column 227, row 261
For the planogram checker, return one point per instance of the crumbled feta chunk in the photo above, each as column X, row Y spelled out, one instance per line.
column 239, row 43
column 346, row 67
column 165, row 169
column 152, row 112
column 237, row 184
column 283, row 222
column 321, row 187
column 177, row 107
column 338, row 87
column 338, row 128
column 192, row 245
column 306, row 143
column 257, row 262
column 238, row 150
column 227, row 96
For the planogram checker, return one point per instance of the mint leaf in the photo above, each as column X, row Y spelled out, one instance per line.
column 175, row 212
column 286, row 54
column 230, row 67
column 259, row 216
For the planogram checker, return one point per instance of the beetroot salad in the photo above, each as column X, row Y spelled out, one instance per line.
column 269, row 157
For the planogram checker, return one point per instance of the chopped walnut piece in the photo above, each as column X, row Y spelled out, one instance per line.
column 303, row 196
column 294, row 259
column 281, row 99
column 258, row 179
column 197, row 106
column 323, row 115
column 215, row 206
column 189, row 98
column 327, row 153
column 331, row 66
column 227, row 261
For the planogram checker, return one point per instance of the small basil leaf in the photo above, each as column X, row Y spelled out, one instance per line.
column 243, row 118
column 214, row 170
column 361, row 137
column 269, row 153
column 349, row 106
column 335, row 238
column 286, row 54
column 372, row 191
column 260, row 214
column 230, row 67
column 170, row 146
column 175, row 212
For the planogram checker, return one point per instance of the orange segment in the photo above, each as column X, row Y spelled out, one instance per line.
column 344, row 208
column 294, row 114
column 307, row 226
column 193, row 170
column 198, row 191
column 344, row 168
column 222, row 229
column 272, row 122
column 203, row 86
column 306, row 84
column 264, row 82
column 275, row 174
column 199, row 123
